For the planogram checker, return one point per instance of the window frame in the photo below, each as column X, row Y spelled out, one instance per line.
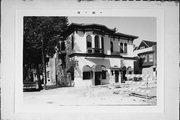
column 89, row 40
column 96, row 42
column 121, row 48
column 87, row 77
column 125, row 47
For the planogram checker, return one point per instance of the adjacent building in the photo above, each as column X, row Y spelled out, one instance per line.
column 146, row 61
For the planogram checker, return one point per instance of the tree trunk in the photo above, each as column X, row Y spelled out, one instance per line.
column 44, row 65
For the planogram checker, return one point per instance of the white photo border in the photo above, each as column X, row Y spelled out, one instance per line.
column 16, row 107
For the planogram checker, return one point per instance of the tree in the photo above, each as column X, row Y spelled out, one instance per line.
column 41, row 36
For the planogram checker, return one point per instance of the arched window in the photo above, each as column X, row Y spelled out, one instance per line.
column 87, row 72
column 121, row 47
column 89, row 43
column 102, row 43
column 72, row 42
column 111, row 44
column 97, row 46
column 96, row 41
column 125, row 48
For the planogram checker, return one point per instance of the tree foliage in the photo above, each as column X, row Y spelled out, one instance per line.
column 41, row 29
column 41, row 36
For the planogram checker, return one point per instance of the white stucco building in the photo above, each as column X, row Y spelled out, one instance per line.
column 100, row 54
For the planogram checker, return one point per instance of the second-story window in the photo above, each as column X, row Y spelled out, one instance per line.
column 125, row 48
column 121, row 47
column 97, row 46
column 111, row 45
column 96, row 41
column 89, row 43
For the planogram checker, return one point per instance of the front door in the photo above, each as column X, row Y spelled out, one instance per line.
column 116, row 76
column 97, row 78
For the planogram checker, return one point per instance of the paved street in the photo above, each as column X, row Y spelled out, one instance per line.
column 82, row 96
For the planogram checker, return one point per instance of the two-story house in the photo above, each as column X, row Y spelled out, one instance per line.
column 147, row 54
column 99, row 54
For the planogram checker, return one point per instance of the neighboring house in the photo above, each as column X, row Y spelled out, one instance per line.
column 51, row 71
column 147, row 58
column 54, row 67
column 97, row 55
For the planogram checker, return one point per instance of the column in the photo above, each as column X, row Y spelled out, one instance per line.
column 100, row 44
column 93, row 45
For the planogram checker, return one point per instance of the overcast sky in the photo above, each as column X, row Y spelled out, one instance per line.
column 143, row 27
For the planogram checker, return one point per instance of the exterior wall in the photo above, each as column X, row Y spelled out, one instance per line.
column 82, row 61
column 59, row 72
column 116, row 45
column 149, row 70
column 107, row 45
column 115, row 62
column 149, row 59
column 129, row 63
column 107, row 62
column 80, row 43
column 136, row 52
column 130, row 49
column 50, row 69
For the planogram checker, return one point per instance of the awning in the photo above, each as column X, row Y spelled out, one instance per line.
column 115, row 68
column 86, row 68
column 99, row 68
column 129, row 68
column 103, row 67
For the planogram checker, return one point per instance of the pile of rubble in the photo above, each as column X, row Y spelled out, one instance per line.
column 145, row 87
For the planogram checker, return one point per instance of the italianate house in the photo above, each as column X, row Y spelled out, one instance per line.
column 97, row 55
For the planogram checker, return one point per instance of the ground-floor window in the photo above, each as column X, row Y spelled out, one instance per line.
column 87, row 75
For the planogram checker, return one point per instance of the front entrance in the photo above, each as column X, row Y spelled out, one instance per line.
column 123, row 73
column 116, row 76
column 97, row 78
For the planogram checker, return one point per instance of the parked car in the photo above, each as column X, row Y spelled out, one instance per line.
column 31, row 86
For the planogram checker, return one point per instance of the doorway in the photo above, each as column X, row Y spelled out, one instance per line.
column 97, row 78
column 116, row 76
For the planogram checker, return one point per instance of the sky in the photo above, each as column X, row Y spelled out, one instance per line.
column 143, row 27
